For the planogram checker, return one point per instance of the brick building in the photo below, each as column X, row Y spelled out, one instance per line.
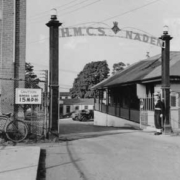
column 12, row 51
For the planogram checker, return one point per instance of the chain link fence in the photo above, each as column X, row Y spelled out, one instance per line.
column 37, row 121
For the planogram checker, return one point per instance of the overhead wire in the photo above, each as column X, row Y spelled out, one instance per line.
column 57, row 7
column 122, row 14
column 81, row 7
column 75, row 5
column 32, row 42
column 65, row 70
column 137, row 8
column 13, row 79
column 69, row 12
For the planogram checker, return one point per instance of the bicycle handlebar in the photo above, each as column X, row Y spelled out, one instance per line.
column 7, row 114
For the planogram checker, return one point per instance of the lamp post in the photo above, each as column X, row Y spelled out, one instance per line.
column 166, row 79
column 53, row 25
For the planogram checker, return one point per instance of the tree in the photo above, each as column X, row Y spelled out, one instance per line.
column 31, row 79
column 118, row 67
column 91, row 74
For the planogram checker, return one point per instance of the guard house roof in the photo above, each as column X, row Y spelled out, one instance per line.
column 65, row 94
column 142, row 71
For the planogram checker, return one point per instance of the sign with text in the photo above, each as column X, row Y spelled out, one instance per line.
column 28, row 96
column 110, row 32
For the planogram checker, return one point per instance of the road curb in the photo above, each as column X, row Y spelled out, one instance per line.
column 19, row 163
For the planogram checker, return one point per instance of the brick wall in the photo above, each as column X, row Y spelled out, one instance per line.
column 0, row 48
column 12, row 53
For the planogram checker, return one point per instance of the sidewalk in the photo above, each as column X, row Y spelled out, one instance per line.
column 19, row 162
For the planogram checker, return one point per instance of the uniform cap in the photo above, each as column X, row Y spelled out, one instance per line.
column 156, row 94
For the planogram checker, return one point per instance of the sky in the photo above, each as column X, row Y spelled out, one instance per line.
column 142, row 16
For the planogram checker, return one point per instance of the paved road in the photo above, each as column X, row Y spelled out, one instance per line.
column 113, row 154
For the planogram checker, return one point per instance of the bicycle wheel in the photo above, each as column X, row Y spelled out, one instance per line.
column 16, row 131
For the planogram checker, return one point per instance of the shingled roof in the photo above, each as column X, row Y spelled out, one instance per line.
column 77, row 101
column 143, row 70
column 65, row 94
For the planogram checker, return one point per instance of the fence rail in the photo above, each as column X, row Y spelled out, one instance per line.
column 37, row 124
column 126, row 113
column 147, row 104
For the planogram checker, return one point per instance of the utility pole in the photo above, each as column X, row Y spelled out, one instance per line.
column 46, row 130
column 166, row 78
column 16, row 56
column 46, row 103
column 53, row 25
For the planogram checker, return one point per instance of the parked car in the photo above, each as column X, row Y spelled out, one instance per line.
column 68, row 115
column 75, row 115
column 83, row 115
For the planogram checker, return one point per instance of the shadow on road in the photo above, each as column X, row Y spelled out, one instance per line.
column 73, row 130
column 41, row 175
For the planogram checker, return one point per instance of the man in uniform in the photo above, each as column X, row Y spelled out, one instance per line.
column 158, row 113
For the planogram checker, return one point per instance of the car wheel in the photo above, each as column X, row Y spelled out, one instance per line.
column 80, row 118
column 76, row 118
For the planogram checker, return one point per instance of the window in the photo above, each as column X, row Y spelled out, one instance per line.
column 85, row 107
column 67, row 109
column 61, row 109
column 77, row 108
column 173, row 101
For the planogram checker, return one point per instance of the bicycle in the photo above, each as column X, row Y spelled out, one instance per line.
column 15, row 130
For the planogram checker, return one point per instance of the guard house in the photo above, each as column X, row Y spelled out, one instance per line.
column 126, row 98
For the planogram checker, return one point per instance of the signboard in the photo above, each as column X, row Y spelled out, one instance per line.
column 28, row 96
column 111, row 32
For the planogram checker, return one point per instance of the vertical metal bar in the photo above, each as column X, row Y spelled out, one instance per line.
column 54, row 24
column 16, row 55
column 166, row 79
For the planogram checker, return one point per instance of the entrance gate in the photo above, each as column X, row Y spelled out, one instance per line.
column 115, row 31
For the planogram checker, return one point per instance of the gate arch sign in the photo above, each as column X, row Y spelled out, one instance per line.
column 110, row 32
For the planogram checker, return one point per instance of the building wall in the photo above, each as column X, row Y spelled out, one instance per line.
column 1, row 13
column 147, row 117
column 102, row 119
column 173, row 87
column 65, row 109
column 65, row 97
column 81, row 107
column 148, row 121
column 72, row 108
column 12, row 49
column 141, row 90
